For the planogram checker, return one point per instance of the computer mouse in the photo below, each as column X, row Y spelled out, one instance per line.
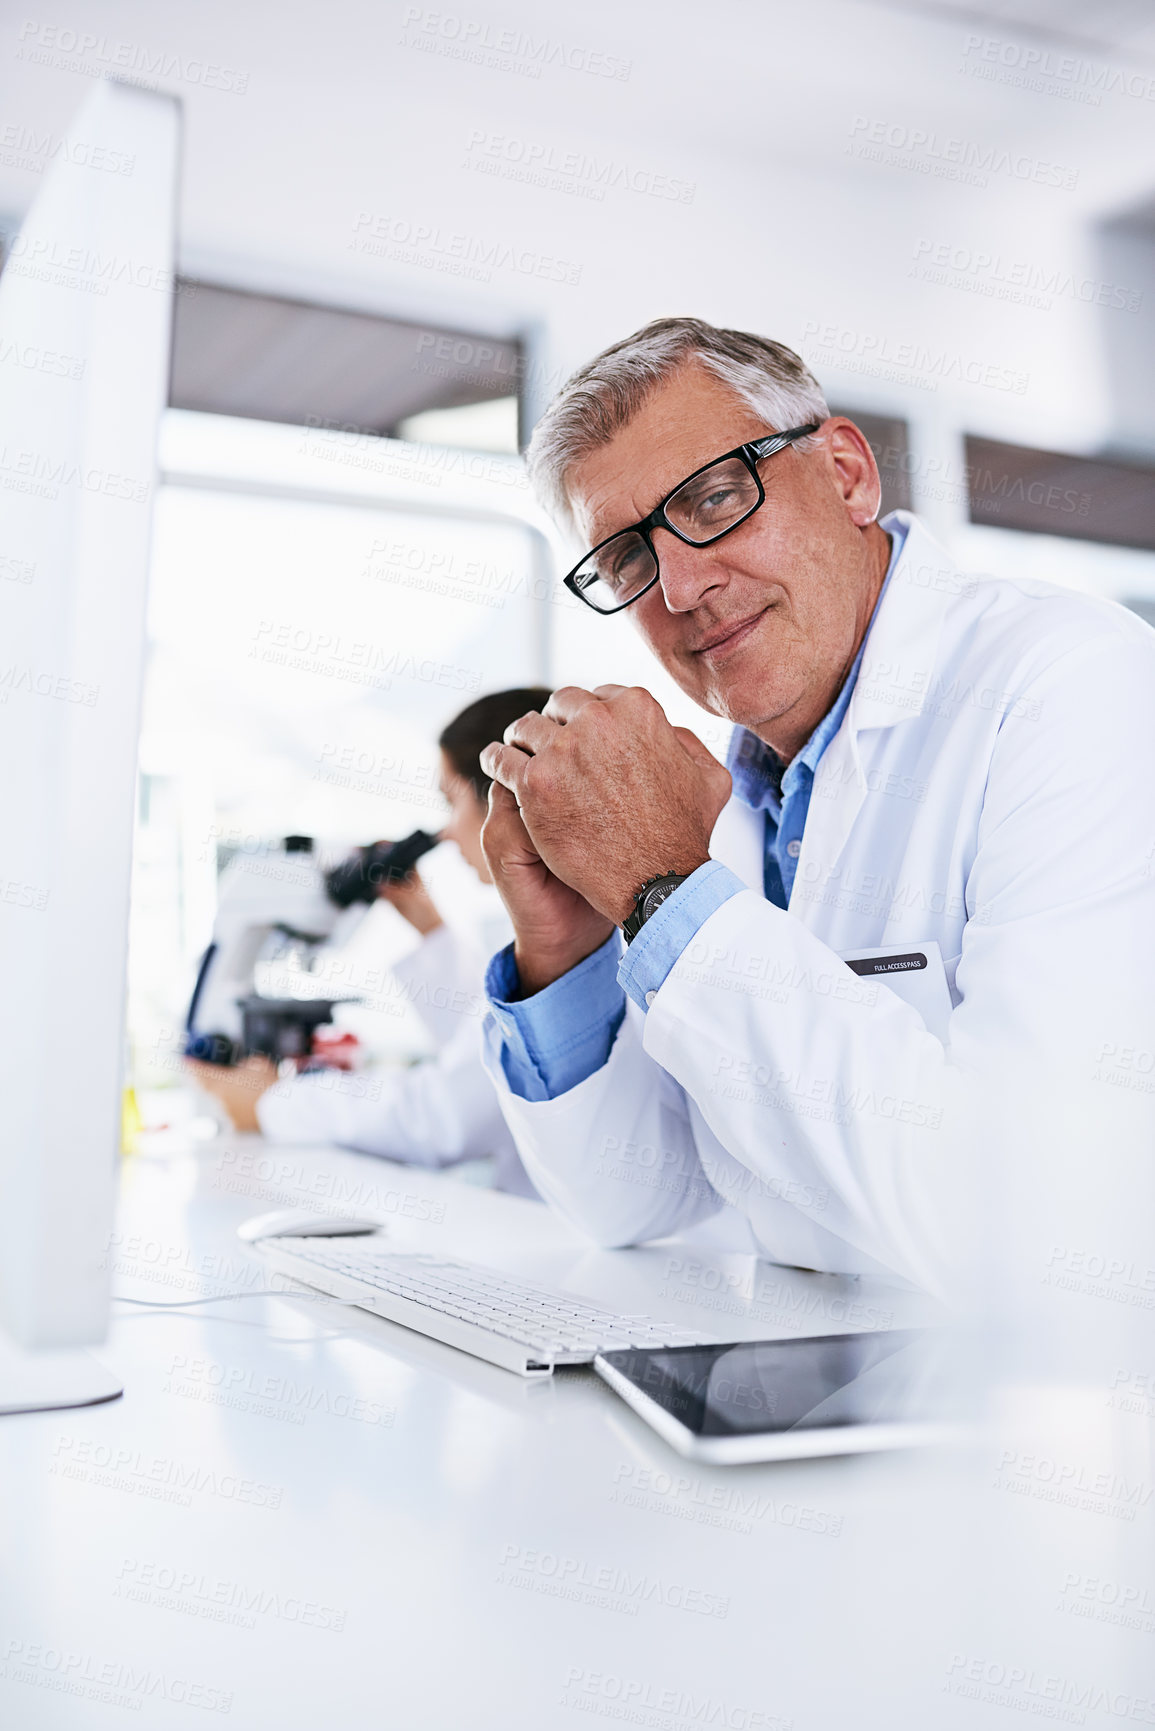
column 301, row 1223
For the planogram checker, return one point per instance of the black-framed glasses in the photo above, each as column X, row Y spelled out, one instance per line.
column 699, row 511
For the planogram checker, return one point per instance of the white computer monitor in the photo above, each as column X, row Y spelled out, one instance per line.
column 85, row 312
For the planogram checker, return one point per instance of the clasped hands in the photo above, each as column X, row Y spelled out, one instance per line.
column 591, row 798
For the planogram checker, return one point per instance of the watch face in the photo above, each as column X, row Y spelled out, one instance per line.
column 659, row 894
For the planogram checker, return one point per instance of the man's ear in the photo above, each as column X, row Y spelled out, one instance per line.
column 855, row 470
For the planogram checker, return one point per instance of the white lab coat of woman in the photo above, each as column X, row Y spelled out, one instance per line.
column 435, row 1113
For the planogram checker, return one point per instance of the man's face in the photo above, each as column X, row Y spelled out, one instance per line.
column 761, row 627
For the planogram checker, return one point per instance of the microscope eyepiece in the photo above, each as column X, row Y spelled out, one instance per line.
column 359, row 878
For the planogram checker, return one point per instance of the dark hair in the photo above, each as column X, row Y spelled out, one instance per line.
column 468, row 734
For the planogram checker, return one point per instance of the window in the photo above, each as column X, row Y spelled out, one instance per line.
column 322, row 604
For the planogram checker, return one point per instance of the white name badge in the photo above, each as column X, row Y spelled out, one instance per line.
column 914, row 973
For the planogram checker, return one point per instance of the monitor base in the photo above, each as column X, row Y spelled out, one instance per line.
column 47, row 1380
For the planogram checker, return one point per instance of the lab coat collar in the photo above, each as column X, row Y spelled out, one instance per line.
column 895, row 676
column 901, row 647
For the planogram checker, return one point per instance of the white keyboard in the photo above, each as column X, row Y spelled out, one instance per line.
column 520, row 1327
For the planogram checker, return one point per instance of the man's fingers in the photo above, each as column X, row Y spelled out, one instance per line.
column 531, row 732
column 503, row 818
column 566, row 702
column 605, row 692
column 507, row 765
column 695, row 750
column 504, row 837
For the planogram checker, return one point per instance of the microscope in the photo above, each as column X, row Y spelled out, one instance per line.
column 281, row 906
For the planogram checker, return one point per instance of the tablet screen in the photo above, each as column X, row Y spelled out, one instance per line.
column 781, row 1385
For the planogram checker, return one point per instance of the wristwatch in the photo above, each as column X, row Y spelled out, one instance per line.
column 649, row 899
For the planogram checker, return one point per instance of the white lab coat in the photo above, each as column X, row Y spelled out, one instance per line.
column 991, row 789
column 434, row 1113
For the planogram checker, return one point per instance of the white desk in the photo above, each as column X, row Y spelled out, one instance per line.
column 312, row 1520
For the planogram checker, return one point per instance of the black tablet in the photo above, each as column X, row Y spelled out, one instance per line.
column 769, row 1400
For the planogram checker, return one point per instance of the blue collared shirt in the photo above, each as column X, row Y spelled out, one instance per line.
column 554, row 1040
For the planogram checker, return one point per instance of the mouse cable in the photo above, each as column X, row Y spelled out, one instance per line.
column 220, row 1298
column 158, row 1304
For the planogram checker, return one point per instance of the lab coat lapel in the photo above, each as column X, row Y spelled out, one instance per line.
column 893, row 681
column 737, row 842
column 836, row 800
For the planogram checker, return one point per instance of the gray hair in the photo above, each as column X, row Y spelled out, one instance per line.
column 601, row 397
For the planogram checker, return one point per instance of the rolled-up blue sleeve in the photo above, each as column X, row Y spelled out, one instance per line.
column 672, row 929
column 554, row 1040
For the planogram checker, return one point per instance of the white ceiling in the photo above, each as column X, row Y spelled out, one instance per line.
column 342, row 112
column 365, row 112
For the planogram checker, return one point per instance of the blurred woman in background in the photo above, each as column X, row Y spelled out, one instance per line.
column 444, row 1109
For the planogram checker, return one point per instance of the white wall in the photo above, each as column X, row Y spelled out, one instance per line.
column 380, row 156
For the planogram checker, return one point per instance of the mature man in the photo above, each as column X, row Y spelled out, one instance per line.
column 926, row 781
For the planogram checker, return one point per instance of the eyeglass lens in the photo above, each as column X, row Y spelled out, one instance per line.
column 704, row 508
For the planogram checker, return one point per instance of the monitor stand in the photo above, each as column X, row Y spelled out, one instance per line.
column 45, row 1380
